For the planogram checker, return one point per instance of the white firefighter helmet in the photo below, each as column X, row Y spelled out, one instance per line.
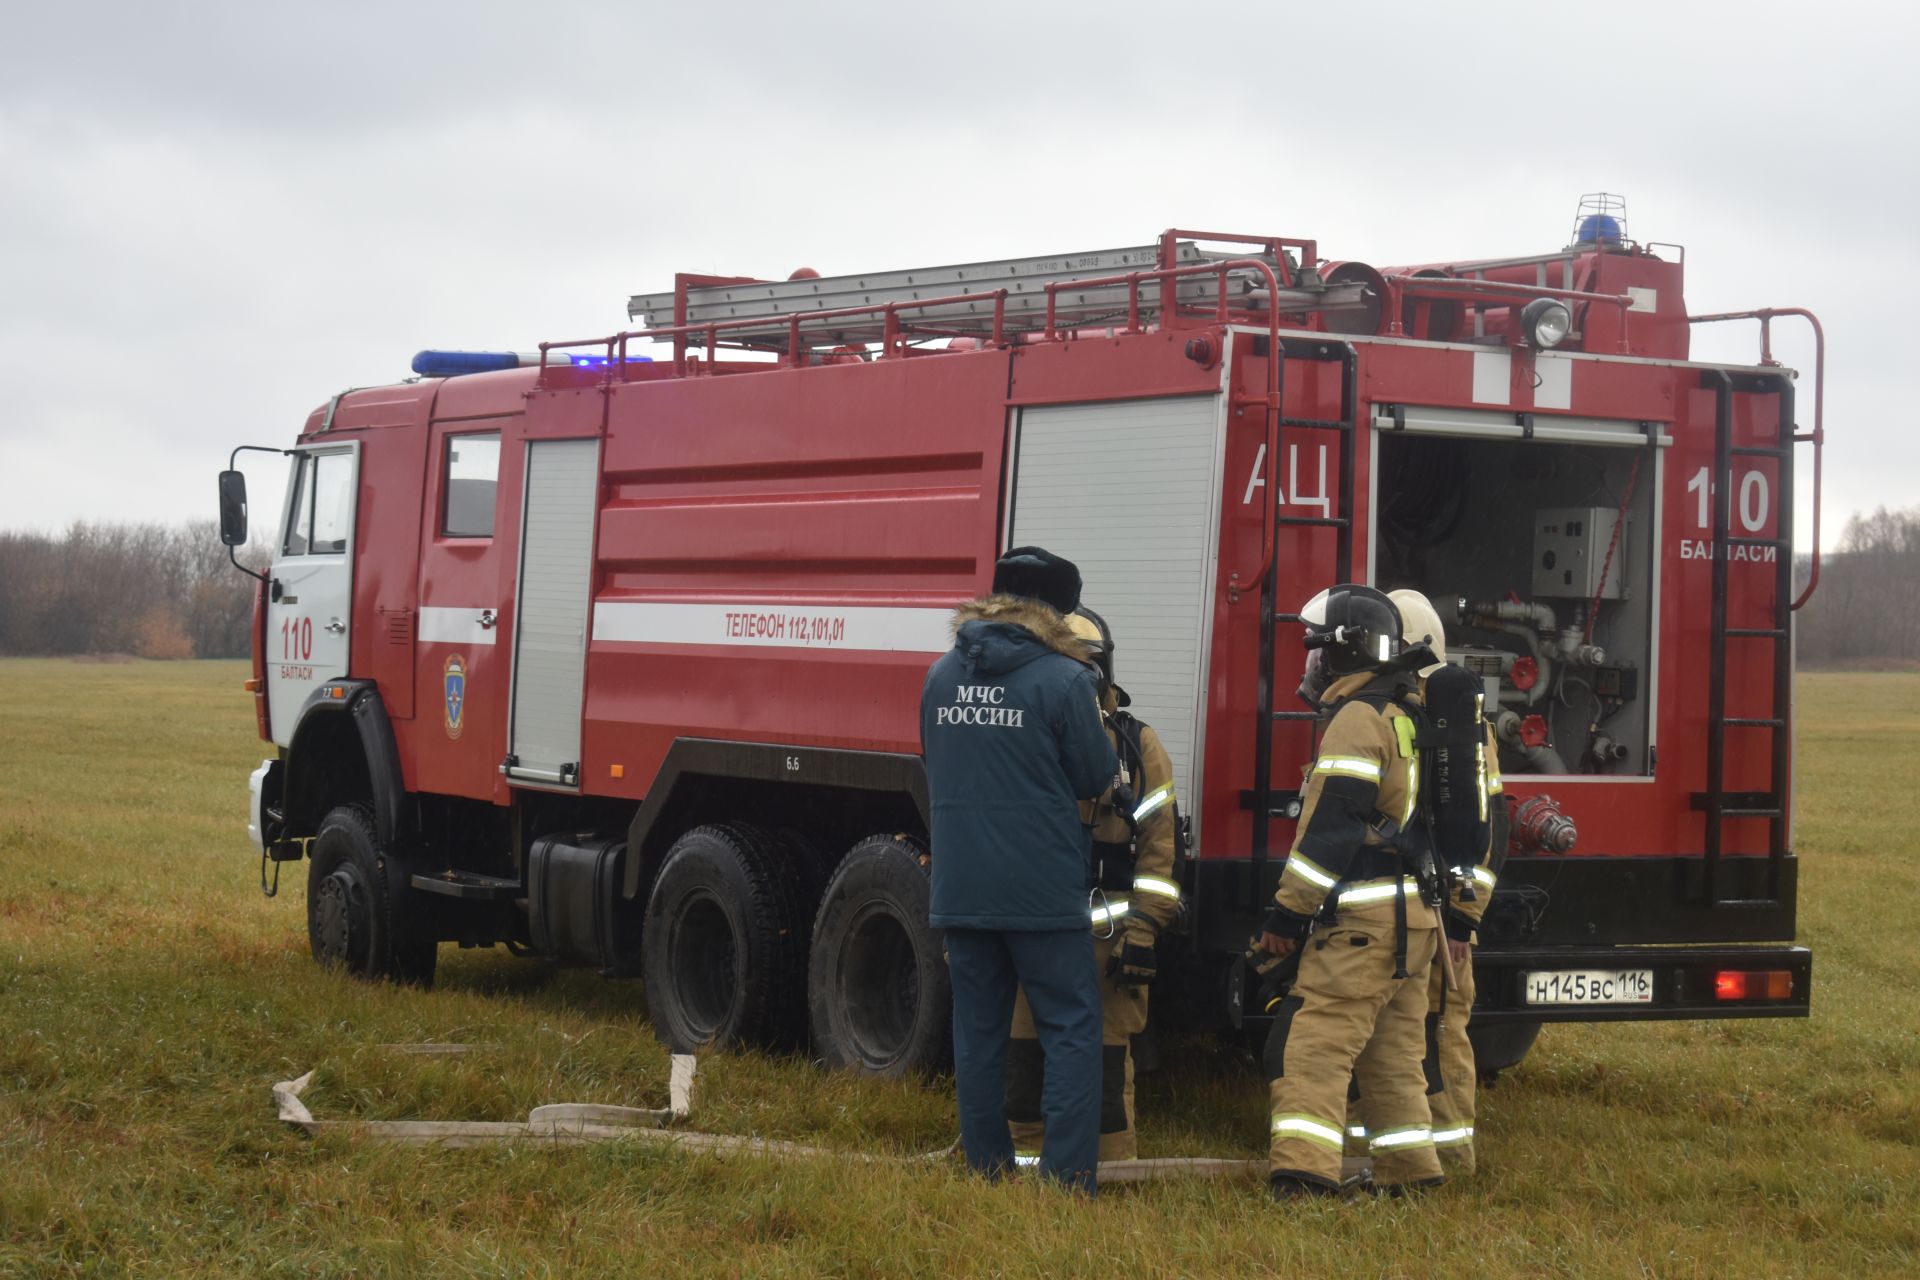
column 1420, row 622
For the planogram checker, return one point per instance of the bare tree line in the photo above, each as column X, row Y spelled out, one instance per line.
column 155, row 591
column 159, row 591
column 1867, row 608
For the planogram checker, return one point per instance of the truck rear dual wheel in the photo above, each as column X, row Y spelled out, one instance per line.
column 725, row 941
column 359, row 917
column 877, row 990
column 1500, row 1045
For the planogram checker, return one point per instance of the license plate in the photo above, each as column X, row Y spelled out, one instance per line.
column 1589, row 986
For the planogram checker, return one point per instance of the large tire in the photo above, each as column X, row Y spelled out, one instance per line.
column 1500, row 1045
column 360, row 916
column 877, row 987
column 725, row 942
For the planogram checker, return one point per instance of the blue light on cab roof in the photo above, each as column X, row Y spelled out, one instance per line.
column 1598, row 228
column 451, row 364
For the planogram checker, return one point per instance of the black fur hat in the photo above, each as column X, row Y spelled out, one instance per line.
column 1040, row 575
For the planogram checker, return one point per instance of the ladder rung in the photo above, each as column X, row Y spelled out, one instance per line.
column 1770, row 633
column 1748, row 722
column 1323, row 424
column 1337, row 522
column 1755, row 542
column 1749, row 813
column 1759, row 451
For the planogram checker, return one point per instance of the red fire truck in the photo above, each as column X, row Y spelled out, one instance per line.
column 616, row 660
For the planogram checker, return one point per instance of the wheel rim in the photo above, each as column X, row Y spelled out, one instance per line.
column 704, row 955
column 342, row 920
column 879, row 984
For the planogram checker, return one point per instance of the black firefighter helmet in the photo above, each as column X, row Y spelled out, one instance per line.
column 1350, row 628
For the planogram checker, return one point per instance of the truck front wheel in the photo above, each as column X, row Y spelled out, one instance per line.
column 358, row 916
column 725, row 941
column 877, row 987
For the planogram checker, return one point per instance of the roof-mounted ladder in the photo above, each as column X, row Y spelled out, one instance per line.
column 1028, row 305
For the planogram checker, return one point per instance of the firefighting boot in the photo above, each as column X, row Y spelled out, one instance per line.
column 1287, row 1186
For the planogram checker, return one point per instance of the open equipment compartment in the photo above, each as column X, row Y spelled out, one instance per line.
column 1535, row 546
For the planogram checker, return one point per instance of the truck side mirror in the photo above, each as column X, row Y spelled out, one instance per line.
column 233, row 509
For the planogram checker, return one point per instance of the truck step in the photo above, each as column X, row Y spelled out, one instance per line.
column 468, row 884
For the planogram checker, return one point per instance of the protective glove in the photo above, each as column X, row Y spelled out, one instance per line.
column 1134, row 962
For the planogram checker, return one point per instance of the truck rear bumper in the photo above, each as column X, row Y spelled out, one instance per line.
column 1688, row 982
column 1685, row 984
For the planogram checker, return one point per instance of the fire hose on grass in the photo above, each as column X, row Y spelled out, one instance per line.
column 575, row 1123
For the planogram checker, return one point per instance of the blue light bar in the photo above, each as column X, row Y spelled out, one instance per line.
column 601, row 362
column 451, row 364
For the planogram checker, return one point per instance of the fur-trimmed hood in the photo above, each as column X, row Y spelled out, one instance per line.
column 972, row 619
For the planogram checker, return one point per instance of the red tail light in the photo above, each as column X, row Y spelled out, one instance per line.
column 1752, row 984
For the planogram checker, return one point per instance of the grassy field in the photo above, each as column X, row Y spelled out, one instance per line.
column 149, row 996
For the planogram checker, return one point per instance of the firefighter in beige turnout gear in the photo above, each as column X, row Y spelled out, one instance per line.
column 1135, row 844
column 1358, row 1008
column 1470, row 888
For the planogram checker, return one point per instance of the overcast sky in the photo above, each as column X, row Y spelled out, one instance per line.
column 213, row 216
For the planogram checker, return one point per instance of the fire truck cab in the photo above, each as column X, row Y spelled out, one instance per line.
column 613, row 652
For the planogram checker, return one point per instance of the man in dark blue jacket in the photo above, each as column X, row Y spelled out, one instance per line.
column 1010, row 724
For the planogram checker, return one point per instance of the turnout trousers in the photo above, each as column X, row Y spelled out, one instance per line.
column 988, row 969
column 1453, row 1104
column 1123, row 1015
column 1349, row 1019
column 1450, row 1077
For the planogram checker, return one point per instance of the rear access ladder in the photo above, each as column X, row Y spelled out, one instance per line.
column 1266, row 801
column 1771, row 804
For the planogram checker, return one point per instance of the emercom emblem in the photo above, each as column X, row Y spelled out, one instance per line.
column 454, row 680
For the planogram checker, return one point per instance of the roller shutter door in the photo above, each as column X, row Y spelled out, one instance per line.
column 1127, row 491
column 550, row 624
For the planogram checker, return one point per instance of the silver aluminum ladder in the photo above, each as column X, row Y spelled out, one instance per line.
column 1025, row 281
